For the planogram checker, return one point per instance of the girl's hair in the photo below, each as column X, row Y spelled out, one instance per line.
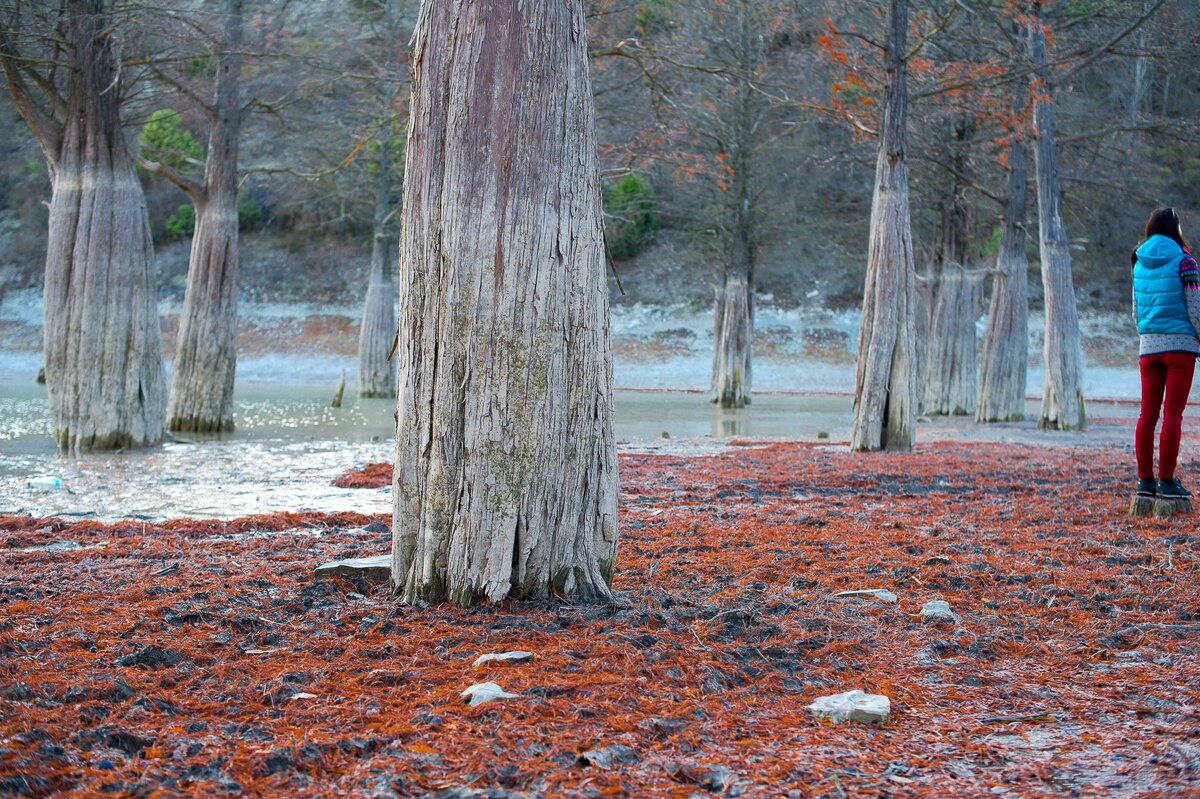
column 1163, row 222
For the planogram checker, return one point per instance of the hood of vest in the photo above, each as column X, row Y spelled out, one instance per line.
column 1158, row 251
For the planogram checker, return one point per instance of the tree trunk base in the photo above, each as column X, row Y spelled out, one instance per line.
column 1159, row 507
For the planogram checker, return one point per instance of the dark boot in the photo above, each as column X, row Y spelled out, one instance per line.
column 1171, row 488
column 1147, row 487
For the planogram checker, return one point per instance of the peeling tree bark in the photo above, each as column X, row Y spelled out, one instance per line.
column 1004, row 359
column 103, row 348
column 885, row 397
column 205, row 350
column 1062, row 395
column 505, row 478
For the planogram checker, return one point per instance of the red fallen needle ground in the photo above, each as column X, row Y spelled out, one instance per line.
column 171, row 659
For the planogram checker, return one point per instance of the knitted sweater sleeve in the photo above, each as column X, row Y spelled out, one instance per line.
column 1189, row 274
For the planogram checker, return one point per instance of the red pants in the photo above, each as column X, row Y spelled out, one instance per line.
column 1168, row 373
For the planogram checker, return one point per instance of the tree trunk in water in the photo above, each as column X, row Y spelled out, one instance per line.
column 1006, row 342
column 103, row 347
column 885, row 396
column 951, row 362
column 732, row 333
column 1062, row 396
column 206, row 348
column 733, row 314
column 376, row 372
column 506, row 474
column 951, row 370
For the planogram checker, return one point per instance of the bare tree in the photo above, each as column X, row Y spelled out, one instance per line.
column 376, row 370
column 202, row 377
column 885, row 397
column 505, row 478
column 1062, row 354
column 1005, row 351
column 103, row 348
column 951, row 370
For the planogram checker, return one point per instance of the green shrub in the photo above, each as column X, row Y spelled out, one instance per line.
column 630, row 218
column 182, row 223
column 654, row 15
column 165, row 140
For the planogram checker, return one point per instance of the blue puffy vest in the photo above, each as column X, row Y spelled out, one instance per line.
column 1161, row 307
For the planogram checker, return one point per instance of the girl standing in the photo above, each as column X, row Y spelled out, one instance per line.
column 1166, row 305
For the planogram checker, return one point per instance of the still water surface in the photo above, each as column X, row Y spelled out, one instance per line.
column 290, row 444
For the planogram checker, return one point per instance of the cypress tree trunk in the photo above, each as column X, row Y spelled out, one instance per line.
column 732, row 334
column 1062, row 395
column 103, row 348
column 505, row 479
column 885, row 396
column 951, row 367
column 733, row 314
column 377, row 374
column 205, row 350
column 1006, row 342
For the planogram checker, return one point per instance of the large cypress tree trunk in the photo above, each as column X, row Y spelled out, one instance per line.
column 1062, row 395
column 1006, row 343
column 103, row 347
column 885, row 396
column 505, row 479
column 205, row 350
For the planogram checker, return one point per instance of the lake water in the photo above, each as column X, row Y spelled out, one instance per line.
column 290, row 444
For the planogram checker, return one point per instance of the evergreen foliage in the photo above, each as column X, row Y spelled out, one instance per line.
column 630, row 216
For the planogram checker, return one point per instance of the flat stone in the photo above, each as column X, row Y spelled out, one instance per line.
column 504, row 657
column 853, row 706
column 608, row 756
column 482, row 692
column 880, row 594
column 936, row 611
column 372, row 569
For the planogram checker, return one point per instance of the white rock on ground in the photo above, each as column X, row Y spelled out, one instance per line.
column 871, row 593
column 504, row 657
column 853, row 706
column 482, row 692
column 937, row 611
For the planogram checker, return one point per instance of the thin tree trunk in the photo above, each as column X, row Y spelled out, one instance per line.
column 103, row 348
column 731, row 343
column 376, row 373
column 885, row 397
column 1062, row 355
column 506, row 475
column 206, row 349
column 733, row 317
column 1004, row 360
